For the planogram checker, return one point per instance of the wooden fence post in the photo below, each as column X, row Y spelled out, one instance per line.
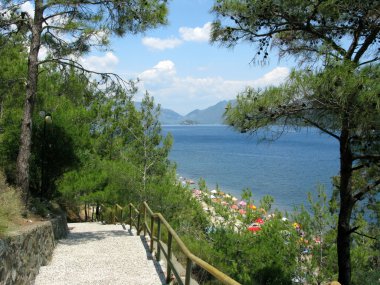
column 152, row 233
column 189, row 266
column 158, row 239
column 144, row 224
column 130, row 217
column 168, row 268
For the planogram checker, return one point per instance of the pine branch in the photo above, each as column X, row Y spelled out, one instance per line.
column 367, row 156
column 321, row 128
column 368, row 41
column 358, row 167
column 370, row 61
column 76, row 65
column 353, row 230
column 364, row 235
column 358, row 196
column 355, row 40
column 59, row 14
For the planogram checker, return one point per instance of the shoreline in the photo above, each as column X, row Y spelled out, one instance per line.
column 225, row 208
column 245, row 216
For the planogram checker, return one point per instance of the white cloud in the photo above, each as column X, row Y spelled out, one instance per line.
column 274, row 77
column 28, row 8
column 198, row 34
column 161, row 44
column 106, row 63
column 161, row 70
column 43, row 53
column 184, row 94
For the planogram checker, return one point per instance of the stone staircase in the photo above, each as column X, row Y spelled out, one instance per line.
column 94, row 253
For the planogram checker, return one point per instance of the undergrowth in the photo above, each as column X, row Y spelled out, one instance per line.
column 10, row 206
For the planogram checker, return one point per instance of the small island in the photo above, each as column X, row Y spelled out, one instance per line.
column 189, row 123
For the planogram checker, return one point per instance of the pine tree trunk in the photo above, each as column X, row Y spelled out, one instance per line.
column 22, row 166
column 85, row 212
column 97, row 212
column 343, row 244
column 346, row 206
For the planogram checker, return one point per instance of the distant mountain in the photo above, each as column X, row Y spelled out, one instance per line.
column 169, row 117
column 211, row 115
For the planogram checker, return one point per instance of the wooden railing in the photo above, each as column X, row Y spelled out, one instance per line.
column 152, row 225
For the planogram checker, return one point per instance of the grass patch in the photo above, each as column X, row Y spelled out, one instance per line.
column 11, row 206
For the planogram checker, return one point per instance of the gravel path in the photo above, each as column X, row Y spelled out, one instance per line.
column 101, row 254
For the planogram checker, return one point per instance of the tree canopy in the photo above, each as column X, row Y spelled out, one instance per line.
column 312, row 30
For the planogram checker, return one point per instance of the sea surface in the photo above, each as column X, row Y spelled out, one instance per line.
column 287, row 169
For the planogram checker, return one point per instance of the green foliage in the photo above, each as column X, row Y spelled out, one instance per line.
column 128, row 160
column 78, row 185
column 179, row 207
column 58, row 146
column 318, row 228
column 61, row 145
column 268, row 257
column 317, row 222
column 266, row 203
column 12, row 84
column 202, row 184
column 10, row 206
column 147, row 149
column 365, row 243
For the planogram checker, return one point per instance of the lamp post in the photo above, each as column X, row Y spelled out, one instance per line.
column 44, row 182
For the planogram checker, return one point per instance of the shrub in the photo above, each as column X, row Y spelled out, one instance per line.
column 10, row 205
column 40, row 207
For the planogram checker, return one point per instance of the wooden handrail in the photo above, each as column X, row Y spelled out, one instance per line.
column 191, row 258
column 132, row 221
column 161, row 221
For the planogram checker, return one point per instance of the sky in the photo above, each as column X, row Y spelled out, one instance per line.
column 178, row 66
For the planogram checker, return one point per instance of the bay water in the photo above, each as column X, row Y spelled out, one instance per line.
column 286, row 169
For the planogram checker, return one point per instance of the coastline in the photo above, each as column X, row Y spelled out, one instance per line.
column 236, row 193
column 226, row 209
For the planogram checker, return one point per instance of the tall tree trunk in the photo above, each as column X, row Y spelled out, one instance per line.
column 346, row 206
column 85, row 212
column 22, row 167
column 97, row 212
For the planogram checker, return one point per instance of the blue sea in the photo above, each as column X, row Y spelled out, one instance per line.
column 287, row 169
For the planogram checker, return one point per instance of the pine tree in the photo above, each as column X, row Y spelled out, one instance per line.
column 148, row 149
column 337, row 92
